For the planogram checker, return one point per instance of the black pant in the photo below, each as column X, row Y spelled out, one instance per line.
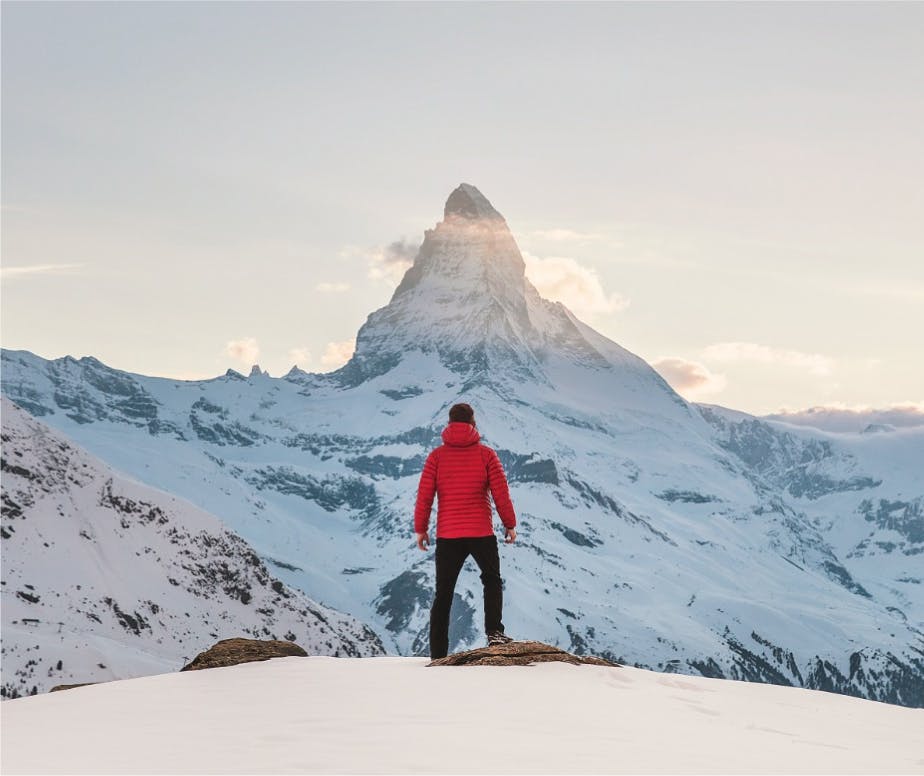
column 450, row 557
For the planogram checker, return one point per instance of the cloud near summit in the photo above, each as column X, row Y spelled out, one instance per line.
column 564, row 280
column 558, row 278
column 566, row 235
column 8, row 273
column 689, row 378
column 245, row 350
column 336, row 354
column 391, row 262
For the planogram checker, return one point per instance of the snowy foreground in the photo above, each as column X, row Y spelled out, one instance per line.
column 395, row 715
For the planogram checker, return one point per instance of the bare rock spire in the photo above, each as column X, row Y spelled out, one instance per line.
column 467, row 202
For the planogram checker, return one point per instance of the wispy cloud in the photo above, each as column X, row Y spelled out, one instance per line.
column 655, row 260
column 725, row 352
column 336, row 354
column 566, row 235
column 332, row 288
column 391, row 262
column 301, row 357
column 245, row 350
column 564, row 280
column 845, row 417
column 689, row 378
column 38, row 269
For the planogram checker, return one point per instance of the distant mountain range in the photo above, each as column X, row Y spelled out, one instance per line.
column 681, row 537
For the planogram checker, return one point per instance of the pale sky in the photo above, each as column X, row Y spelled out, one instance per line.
column 733, row 191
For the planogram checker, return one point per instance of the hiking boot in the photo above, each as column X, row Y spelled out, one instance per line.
column 498, row 638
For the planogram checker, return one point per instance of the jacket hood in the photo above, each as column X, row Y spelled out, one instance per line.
column 460, row 435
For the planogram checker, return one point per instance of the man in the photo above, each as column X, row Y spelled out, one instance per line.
column 460, row 473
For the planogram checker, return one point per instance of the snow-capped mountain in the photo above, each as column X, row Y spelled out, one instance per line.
column 652, row 531
column 106, row 578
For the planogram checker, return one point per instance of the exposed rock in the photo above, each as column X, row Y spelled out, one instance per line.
column 467, row 202
column 231, row 652
column 517, row 653
column 58, row 687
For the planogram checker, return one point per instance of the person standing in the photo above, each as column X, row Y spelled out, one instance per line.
column 461, row 473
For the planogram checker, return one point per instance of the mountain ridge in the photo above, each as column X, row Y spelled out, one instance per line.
column 101, row 574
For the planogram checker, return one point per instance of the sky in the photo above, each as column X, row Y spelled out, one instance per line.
column 732, row 191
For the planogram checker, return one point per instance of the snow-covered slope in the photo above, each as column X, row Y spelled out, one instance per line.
column 395, row 715
column 653, row 531
column 864, row 492
column 106, row 578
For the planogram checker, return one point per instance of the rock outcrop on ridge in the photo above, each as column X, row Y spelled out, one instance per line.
column 232, row 652
column 518, row 653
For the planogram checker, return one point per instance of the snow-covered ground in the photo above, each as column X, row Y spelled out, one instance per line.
column 395, row 715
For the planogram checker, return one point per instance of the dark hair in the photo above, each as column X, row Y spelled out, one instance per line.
column 461, row 413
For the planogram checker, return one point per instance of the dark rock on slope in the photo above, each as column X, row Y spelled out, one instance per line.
column 518, row 653
column 232, row 652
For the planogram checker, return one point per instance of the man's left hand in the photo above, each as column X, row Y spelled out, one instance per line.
column 423, row 541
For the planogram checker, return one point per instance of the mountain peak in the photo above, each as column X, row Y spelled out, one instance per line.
column 467, row 202
column 467, row 298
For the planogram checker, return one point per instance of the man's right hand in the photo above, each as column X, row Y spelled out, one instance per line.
column 510, row 535
column 423, row 541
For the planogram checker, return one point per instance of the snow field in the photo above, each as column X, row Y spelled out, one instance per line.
column 395, row 715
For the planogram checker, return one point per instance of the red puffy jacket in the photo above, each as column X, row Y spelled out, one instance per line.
column 460, row 473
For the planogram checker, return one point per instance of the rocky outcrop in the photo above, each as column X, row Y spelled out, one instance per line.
column 232, row 652
column 59, row 687
column 228, row 652
column 518, row 653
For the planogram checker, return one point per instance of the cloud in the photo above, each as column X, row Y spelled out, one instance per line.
column 562, row 279
column 244, row 350
column 391, row 262
column 815, row 363
column 844, row 417
column 332, row 288
column 37, row 269
column 689, row 378
column 338, row 353
column 565, row 235
column 301, row 357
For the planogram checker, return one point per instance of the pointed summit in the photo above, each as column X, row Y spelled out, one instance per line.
column 466, row 300
column 466, row 309
column 467, row 202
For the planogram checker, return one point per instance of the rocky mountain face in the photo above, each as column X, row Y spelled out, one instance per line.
column 467, row 299
column 653, row 532
column 105, row 578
